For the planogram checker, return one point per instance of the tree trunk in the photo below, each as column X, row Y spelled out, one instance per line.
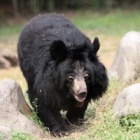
column 15, row 7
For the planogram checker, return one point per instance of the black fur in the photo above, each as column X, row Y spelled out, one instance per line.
column 48, row 46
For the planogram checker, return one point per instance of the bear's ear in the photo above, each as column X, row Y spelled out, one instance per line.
column 96, row 44
column 58, row 50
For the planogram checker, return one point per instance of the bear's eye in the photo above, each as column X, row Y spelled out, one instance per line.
column 70, row 78
column 86, row 76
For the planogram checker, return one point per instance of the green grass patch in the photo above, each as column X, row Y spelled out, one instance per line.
column 16, row 135
column 111, row 129
column 100, row 123
column 10, row 31
column 131, row 122
column 115, row 22
column 112, row 22
column 33, row 117
column 1, row 137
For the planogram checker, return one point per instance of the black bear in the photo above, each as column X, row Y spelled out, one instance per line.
column 61, row 68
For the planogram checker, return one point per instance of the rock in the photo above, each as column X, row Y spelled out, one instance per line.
column 12, row 103
column 8, row 59
column 126, row 64
column 5, row 132
column 128, row 101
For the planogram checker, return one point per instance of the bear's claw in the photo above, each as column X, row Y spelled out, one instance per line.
column 59, row 133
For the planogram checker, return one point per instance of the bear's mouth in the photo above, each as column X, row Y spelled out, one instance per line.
column 80, row 97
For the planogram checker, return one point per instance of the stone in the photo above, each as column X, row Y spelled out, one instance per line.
column 5, row 132
column 13, row 108
column 126, row 64
column 128, row 101
column 8, row 59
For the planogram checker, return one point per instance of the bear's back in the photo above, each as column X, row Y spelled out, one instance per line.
column 48, row 21
column 48, row 28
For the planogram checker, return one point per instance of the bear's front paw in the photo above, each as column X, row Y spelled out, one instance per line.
column 59, row 132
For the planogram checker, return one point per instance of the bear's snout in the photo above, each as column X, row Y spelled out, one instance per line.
column 79, row 89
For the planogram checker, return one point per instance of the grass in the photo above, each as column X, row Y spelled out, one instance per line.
column 99, row 124
column 116, row 22
column 16, row 135
column 1, row 137
column 12, row 30
column 103, row 126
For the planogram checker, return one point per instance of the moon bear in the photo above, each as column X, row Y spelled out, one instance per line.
column 62, row 70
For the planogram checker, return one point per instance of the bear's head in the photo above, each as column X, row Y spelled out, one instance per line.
column 77, row 69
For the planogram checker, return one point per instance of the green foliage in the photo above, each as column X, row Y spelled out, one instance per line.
column 1, row 137
column 36, row 6
column 33, row 117
column 90, row 112
column 131, row 122
column 98, row 4
column 2, row 17
column 16, row 135
column 8, row 31
column 116, row 22
column 36, row 119
column 110, row 129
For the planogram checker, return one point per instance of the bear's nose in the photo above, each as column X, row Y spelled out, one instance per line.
column 82, row 94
